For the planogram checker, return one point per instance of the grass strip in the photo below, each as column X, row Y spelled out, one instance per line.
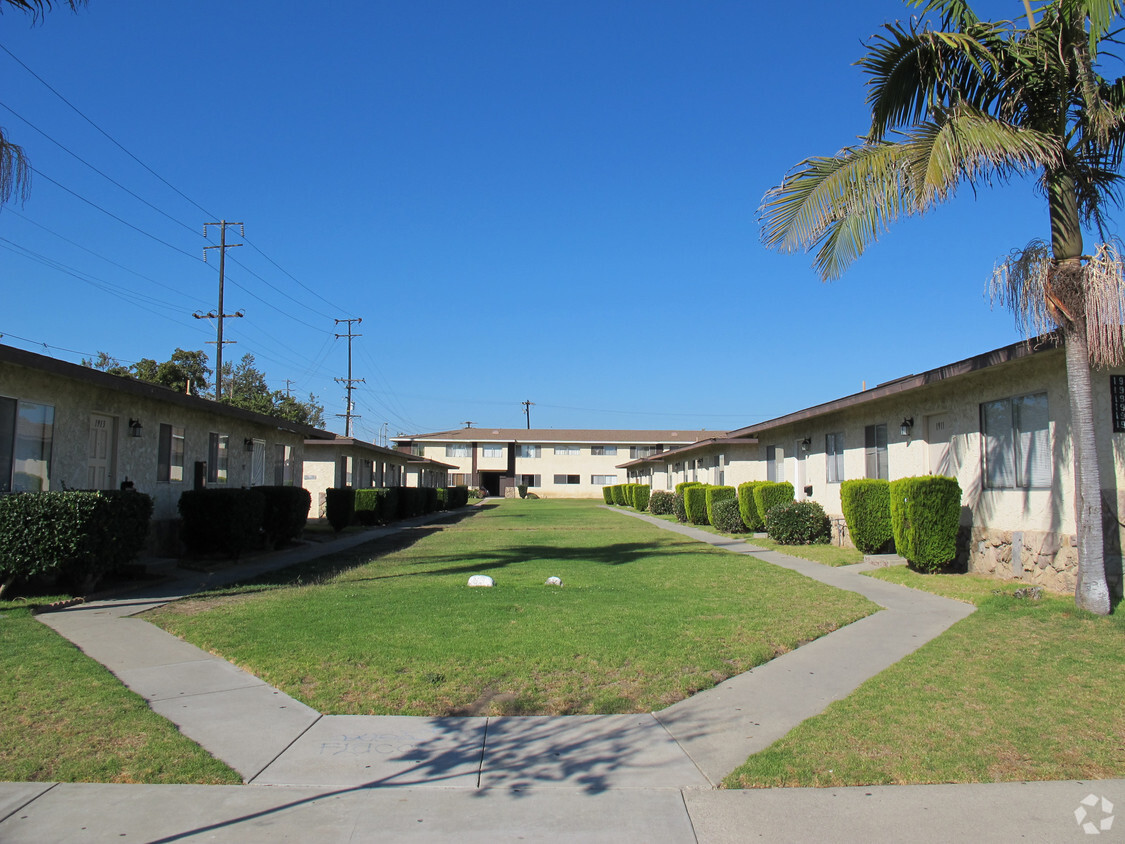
column 645, row 617
column 65, row 718
column 1020, row 690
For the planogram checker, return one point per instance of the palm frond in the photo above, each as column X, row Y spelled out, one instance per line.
column 37, row 8
column 15, row 173
column 1104, row 286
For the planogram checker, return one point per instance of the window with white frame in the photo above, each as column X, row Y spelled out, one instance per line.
column 875, row 452
column 530, row 451
column 568, row 450
column 834, row 456
column 26, row 440
column 567, row 479
column 603, row 450
column 218, row 457
column 530, row 480
column 170, row 454
column 1017, row 443
column 775, row 463
column 603, row 480
column 638, row 451
column 492, row 451
column 459, row 478
column 458, row 450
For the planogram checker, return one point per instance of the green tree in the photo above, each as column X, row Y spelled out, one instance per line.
column 105, row 363
column 972, row 101
column 244, row 385
column 15, row 171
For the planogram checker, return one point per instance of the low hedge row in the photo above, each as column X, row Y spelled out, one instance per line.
column 226, row 521
column 346, row 505
column 79, row 536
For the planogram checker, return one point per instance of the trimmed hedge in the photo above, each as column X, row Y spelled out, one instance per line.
column 726, row 516
column 80, row 535
column 377, row 506
column 715, row 494
column 287, row 512
column 619, row 495
column 798, row 523
column 695, row 504
column 662, row 503
column 866, row 503
column 768, row 494
column 641, row 495
column 221, row 521
column 925, row 516
column 339, row 506
column 607, row 494
column 682, row 485
column 753, row 519
column 456, row 496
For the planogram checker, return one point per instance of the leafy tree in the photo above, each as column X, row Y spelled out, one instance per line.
column 972, row 101
column 15, row 171
column 108, row 364
column 245, row 386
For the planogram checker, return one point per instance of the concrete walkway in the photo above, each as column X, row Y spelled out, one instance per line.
column 582, row 778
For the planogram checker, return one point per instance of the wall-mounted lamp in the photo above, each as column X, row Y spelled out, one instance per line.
column 806, row 443
column 135, row 428
column 906, row 425
column 248, row 444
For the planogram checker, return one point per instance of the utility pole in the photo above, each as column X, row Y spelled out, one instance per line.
column 527, row 405
column 288, row 392
column 468, row 424
column 384, row 433
column 220, row 316
column 349, row 381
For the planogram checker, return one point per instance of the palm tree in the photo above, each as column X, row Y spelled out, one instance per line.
column 977, row 102
column 15, row 172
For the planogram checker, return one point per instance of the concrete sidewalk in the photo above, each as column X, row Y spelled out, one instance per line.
column 589, row 778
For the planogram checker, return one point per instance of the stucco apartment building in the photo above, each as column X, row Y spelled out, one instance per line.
column 998, row 422
column 550, row 463
column 64, row 426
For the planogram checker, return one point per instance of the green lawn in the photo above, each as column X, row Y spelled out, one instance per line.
column 1019, row 690
column 645, row 618
column 65, row 718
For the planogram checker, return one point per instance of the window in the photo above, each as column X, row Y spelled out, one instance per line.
column 566, row 449
column 637, row 451
column 530, row 480
column 603, row 450
column 282, row 465
column 775, row 463
column 490, row 451
column 530, row 451
column 459, row 450
column 218, row 457
column 26, row 438
column 170, row 454
column 1017, row 443
column 834, row 455
column 459, row 479
column 603, row 480
column 875, row 451
column 567, row 479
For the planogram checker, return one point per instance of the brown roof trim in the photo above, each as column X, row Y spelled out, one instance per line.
column 103, row 380
column 563, row 435
column 662, row 456
column 997, row 357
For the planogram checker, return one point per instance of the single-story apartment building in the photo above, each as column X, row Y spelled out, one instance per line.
column 65, row 426
column 999, row 423
column 548, row 462
column 346, row 461
column 721, row 460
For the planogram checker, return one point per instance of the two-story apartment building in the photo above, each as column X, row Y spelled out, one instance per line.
column 551, row 463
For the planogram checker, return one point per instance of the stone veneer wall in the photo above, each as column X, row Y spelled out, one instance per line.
column 1044, row 558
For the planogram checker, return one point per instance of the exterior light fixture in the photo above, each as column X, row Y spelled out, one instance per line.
column 906, row 425
column 135, row 428
column 248, row 444
column 806, row 443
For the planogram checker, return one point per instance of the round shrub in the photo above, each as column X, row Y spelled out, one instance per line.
column 662, row 503
column 678, row 509
column 798, row 523
column 726, row 517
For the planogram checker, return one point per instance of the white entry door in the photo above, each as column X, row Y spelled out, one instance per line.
column 258, row 464
column 939, row 434
column 99, row 474
column 799, row 481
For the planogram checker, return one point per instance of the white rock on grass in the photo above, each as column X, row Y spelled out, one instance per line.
column 553, row 581
column 481, row 580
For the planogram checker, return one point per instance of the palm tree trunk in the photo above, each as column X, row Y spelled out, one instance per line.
column 1092, row 590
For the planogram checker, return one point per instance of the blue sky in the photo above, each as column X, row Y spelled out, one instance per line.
column 553, row 201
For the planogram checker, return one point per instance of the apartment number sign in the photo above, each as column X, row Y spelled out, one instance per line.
column 1117, row 391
